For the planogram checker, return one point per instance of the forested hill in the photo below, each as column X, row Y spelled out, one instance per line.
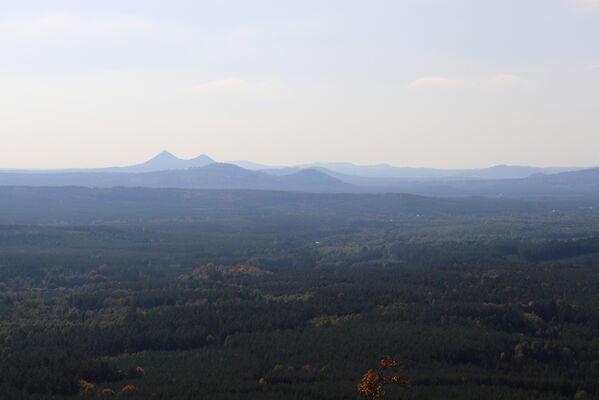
column 84, row 205
column 565, row 184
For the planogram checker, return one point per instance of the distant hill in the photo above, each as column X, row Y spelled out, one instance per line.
column 589, row 176
column 252, row 165
column 211, row 176
column 562, row 185
column 384, row 171
column 510, row 172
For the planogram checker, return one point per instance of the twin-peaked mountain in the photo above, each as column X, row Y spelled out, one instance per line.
column 167, row 161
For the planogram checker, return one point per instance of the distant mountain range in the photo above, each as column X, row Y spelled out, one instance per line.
column 386, row 171
column 202, row 172
column 211, row 176
column 565, row 184
column 383, row 172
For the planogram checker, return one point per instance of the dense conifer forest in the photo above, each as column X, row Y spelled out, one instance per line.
column 175, row 294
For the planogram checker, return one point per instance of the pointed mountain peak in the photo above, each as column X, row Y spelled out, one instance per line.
column 165, row 155
column 162, row 161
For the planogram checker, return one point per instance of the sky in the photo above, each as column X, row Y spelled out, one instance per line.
column 411, row 83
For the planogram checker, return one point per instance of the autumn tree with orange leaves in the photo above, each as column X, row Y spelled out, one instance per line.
column 373, row 381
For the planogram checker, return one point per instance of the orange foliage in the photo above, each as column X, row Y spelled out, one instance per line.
column 372, row 385
column 128, row 389
column 86, row 386
column 388, row 362
column 372, row 382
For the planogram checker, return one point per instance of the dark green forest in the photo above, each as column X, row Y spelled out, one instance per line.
column 178, row 294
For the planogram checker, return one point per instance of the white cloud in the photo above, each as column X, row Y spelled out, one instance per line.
column 436, row 81
column 509, row 81
column 238, row 86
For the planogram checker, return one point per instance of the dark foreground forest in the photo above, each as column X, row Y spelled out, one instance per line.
column 175, row 294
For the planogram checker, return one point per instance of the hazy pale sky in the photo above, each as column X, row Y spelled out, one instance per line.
column 420, row 83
